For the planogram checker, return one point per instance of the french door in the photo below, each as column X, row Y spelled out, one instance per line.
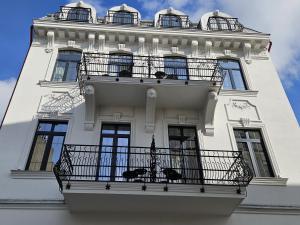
column 114, row 152
column 184, row 153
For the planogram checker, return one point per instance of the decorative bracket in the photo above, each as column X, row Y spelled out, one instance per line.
column 91, row 38
column 150, row 110
column 141, row 45
column 50, row 41
column 208, row 48
column 212, row 100
column 89, row 94
column 155, row 46
column 101, row 38
column 247, row 52
column 194, row 48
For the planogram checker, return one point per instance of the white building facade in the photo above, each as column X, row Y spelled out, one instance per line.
column 119, row 120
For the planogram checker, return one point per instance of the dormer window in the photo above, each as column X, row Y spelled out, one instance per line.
column 170, row 20
column 218, row 23
column 123, row 17
column 79, row 14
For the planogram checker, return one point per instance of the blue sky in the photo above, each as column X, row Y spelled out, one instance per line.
column 258, row 14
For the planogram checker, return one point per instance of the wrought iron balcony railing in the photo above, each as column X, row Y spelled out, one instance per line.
column 93, row 163
column 134, row 66
column 76, row 14
column 216, row 23
column 121, row 17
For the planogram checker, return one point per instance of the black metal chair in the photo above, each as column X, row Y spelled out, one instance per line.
column 171, row 174
column 160, row 75
column 125, row 73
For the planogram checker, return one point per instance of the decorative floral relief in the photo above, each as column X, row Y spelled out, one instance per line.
column 241, row 105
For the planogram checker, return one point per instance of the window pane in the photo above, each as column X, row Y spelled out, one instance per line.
column 59, row 71
column 123, row 17
column 72, row 71
column 61, row 127
column 55, row 150
column 254, row 134
column 242, row 146
column 38, row 152
column 120, row 65
column 238, row 80
column 222, row 23
column 240, row 133
column 227, row 82
column 174, row 131
column 108, row 129
column 44, row 126
column 123, row 129
column 261, row 160
column 176, row 67
column 79, row 14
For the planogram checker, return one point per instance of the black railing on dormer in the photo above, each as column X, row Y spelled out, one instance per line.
column 121, row 17
column 173, row 21
column 93, row 163
column 217, row 23
column 76, row 14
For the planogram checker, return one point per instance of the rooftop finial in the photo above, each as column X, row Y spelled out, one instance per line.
column 216, row 13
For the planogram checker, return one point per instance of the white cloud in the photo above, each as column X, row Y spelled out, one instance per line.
column 6, row 88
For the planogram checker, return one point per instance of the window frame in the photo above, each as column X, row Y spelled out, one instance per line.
column 114, row 146
column 47, row 149
column 120, row 63
column 231, row 76
column 170, row 21
column 76, row 14
column 66, row 68
column 175, row 68
column 122, row 20
column 249, row 141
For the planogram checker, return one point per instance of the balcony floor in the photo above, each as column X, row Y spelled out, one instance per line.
column 131, row 92
column 129, row 197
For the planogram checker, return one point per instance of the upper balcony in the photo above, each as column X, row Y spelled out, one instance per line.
column 123, row 79
column 137, row 179
column 217, row 23
column 74, row 14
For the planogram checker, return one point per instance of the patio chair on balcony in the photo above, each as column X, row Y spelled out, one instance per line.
column 135, row 174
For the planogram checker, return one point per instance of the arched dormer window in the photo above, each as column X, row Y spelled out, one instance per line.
column 123, row 17
column 66, row 66
column 170, row 20
column 120, row 64
column 79, row 14
column 176, row 67
column 123, row 14
column 218, row 23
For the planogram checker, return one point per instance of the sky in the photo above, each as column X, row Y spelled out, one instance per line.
column 280, row 18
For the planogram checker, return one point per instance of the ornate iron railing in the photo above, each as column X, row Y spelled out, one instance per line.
column 216, row 23
column 151, row 165
column 76, row 14
column 135, row 66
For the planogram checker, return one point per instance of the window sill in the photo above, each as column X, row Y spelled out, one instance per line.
column 25, row 174
column 44, row 83
column 272, row 181
column 247, row 93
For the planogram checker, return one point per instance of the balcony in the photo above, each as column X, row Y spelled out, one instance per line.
column 216, row 23
column 151, row 82
column 135, row 179
column 75, row 14
column 173, row 21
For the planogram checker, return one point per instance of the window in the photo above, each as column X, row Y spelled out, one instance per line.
column 114, row 151
column 170, row 20
column 78, row 14
column 184, row 154
column 123, row 17
column 176, row 68
column 120, row 64
column 233, row 76
column 251, row 144
column 47, row 145
column 66, row 66
column 220, row 23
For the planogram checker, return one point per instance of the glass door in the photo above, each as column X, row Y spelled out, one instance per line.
column 114, row 151
column 184, row 153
